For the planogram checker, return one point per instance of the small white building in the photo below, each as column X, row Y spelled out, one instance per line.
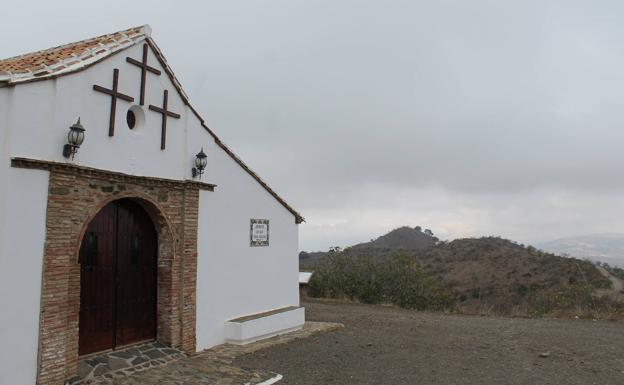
column 125, row 232
column 304, row 277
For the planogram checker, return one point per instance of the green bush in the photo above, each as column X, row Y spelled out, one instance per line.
column 399, row 280
column 577, row 296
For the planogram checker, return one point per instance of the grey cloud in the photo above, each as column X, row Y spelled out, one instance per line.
column 497, row 106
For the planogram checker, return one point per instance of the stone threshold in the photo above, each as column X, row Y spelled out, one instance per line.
column 123, row 362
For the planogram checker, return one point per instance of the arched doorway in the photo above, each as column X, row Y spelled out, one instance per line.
column 118, row 272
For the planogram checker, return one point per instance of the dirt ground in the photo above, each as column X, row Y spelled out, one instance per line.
column 390, row 346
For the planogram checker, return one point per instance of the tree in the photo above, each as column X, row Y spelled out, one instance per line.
column 429, row 232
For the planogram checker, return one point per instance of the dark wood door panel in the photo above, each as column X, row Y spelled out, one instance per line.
column 136, row 273
column 118, row 278
column 97, row 282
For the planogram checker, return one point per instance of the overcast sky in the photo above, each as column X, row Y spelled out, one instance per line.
column 467, row 117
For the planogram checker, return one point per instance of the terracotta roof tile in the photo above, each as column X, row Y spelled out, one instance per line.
column 69, row 56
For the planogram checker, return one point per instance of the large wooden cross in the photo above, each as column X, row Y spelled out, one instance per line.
column 114, row 93
column 144, row 68
column 165, row 113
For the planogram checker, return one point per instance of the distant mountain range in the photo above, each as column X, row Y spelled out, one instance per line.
column 597, row 247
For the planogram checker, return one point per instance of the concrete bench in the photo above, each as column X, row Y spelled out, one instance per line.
column 250, row 328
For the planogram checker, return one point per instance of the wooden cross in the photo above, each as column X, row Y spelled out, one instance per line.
column 114, row 93
column 144, row 68
column 165, row 113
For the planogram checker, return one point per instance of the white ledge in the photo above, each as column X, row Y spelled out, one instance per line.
column 244, row 330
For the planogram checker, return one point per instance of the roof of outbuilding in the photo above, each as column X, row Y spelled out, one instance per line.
column 74, row 57
column 304, row 277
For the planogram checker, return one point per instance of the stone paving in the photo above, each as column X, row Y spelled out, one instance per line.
column 125, row 362
column 210, row 367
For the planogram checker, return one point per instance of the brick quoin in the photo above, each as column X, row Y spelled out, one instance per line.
column 75, row 195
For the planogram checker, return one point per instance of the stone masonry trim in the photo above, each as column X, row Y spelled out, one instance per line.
column 75, row 195
column 90, row 171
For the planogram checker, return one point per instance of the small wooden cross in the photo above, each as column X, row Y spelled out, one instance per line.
column 114, row 93
column 144, row 68
column 165, row 113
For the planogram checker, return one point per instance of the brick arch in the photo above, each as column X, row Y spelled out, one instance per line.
column 74, row 199
column 151, row 206
column 167, row 315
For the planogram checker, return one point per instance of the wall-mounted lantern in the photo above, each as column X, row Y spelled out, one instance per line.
column 75, row 137
column 200, row 164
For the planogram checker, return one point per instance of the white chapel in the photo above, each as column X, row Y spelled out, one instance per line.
column 124, row 218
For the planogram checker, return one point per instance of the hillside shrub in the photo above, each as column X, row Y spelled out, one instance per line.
column 399, row 281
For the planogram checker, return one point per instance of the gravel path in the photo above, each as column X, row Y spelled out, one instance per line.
column 617, row 283
column 389, row 346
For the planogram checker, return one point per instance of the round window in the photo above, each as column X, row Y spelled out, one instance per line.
column 131, row 119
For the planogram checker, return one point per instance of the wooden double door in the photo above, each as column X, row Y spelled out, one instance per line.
column 117, row 278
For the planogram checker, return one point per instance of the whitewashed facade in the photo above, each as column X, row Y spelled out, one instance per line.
column 233, row 278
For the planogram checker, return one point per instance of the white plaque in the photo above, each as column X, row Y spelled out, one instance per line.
column 259, row 232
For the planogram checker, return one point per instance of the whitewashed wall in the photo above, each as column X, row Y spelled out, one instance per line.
column 4, row 151
column 21, row 251
column 234, row 279
column 43, row 111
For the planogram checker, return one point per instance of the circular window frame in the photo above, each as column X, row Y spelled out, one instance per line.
column 139, row 117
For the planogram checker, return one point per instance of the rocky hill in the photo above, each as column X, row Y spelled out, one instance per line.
column 403, row 238
column 487, row 271
column 408, row 239
column 503, row 271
